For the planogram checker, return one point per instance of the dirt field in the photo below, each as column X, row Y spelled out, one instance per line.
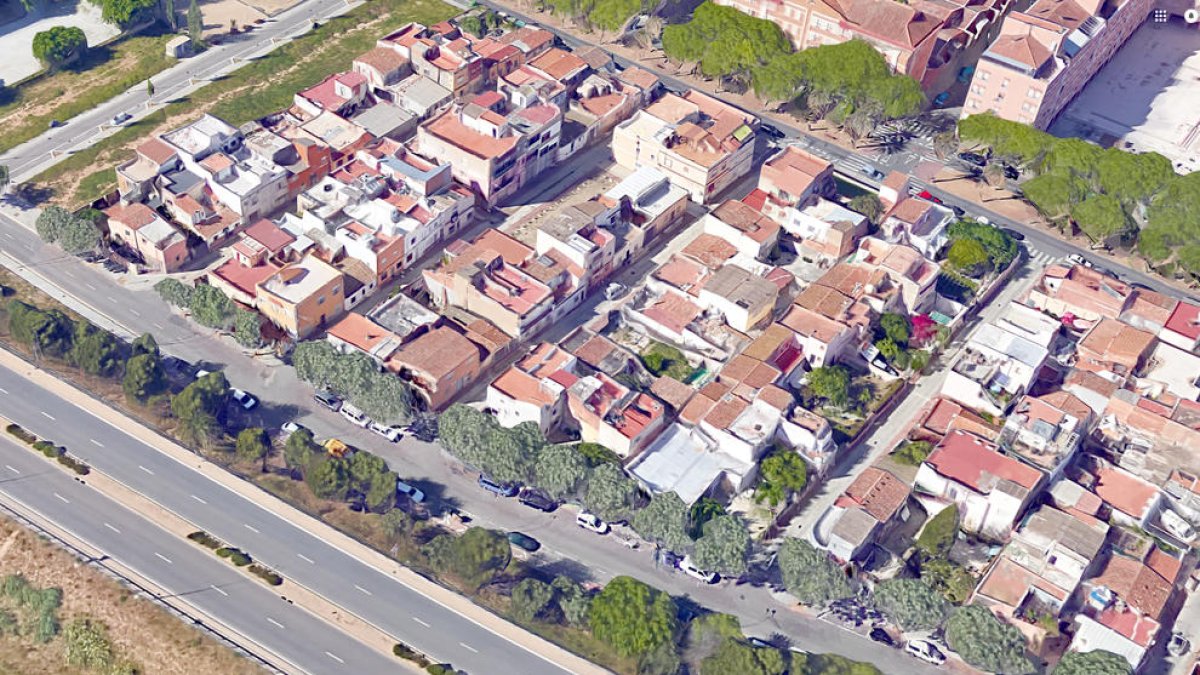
column 140, row 631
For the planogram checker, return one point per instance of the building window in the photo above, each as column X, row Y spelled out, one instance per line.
column 1033, row 94
column 1004, row 83
column 983, row 75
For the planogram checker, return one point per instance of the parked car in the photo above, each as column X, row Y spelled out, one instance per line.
column 973, row 158
column 414, row 494
column 590, row 521
column 1011, row 172
column 982, row 220
column 689, row 568
column 501, row 489
column 668, row 559
column 1077, row 259
column 328, row 399
column 924, row 650
column 523, row 541
column 536, row 499
column 928, row 196
column 243, row 399
column 772, row 131
column 882, row 637
column 1178, row 644
column 355, row 416
column 614, row 291
column 872, row 172
column 959, row 212
column 290, row 428
column 121, row 118
column 393, row 434
column 1013, row 233
column 1178, row 527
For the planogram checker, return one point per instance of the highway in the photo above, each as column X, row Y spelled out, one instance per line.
column 39, row 154
column 298, row 555
column 201, row 580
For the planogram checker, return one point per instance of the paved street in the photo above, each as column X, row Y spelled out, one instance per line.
column 200, row 580
column 34, row 156
column 298, row 555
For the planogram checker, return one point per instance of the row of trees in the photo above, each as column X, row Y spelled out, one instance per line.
column 74, row 234
column 1106, row 193
column 382, row 395
column 607, row 15
column 360, row 478
column 850, row 83
column 521, row 455
column 212, row 308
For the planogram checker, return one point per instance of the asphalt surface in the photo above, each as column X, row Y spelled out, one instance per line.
column 298, row 555
column 38, row 154
column 209, row 583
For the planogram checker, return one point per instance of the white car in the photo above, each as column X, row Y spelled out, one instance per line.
column 1178, row 527
column 1079, row 260
column 689, row 568
column 355, row 416
column 590, row 521
column 393, row 434
column 924, row 650
column 243, row 399
column 202, row 372
column 982, row 221
column 289, row 428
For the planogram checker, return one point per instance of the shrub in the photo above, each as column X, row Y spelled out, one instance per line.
column 409, row 654
column 439, row 669
column 18, row 431
column 74, row 464
column 938, row 535
column 238, row 558
column 912, row 453
column 205, row 539
column 225, row 552
column 267, row 575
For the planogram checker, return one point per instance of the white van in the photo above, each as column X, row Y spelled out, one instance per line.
column 355, row 416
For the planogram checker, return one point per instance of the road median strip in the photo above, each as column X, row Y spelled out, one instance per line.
column 236, row 556
column 48, row 449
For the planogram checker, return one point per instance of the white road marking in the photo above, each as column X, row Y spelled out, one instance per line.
column 134, row 312
column 468, row 647
column 145, row 469
column 160, row 326
column 48, row 415
column 3, row 390
column 112, row 528
column 304, row 558
column 274, row 622
column 96, row 442
column 7, row 234
column 250, row 528
column 10, row 468
column 218, row 590
column 363, row 589
column 163, row 557
column 420, row 622
column 69, row 273
column 199, row 499
column 62, row 498
column 89, row 285
column 335, row 657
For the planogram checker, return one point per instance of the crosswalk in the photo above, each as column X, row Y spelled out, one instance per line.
column 1042, row 258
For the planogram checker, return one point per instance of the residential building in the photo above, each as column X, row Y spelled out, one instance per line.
column 874, row 503
column 1149, row 311
column 162, row 248
column 439, row 364
column 1133, row 501
column 918, row 223
column 613, row 415
column 1169, row 372
column 691, row 464
column 1080, row 292
column 534, row 389
column 823, row 341
column 648, row 203
column 1046, row 430
column 357, row 333
column 792, row 179
column 998, row 364
column 302, row 297
column 1149, row 438
column 1114, row 350
column 382, row 67
column 441, row 54
column 1183, row 327
column 942, row 415
column 751, row 233
column 990, row 489
column 823, row 229
column 1045, row 55
column 702, row 144
column 421, row 96
column 743, row 298
column 340, row 93
column 810, row 435
column 907, row 269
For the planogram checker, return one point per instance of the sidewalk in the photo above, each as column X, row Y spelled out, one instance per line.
column 443, row 596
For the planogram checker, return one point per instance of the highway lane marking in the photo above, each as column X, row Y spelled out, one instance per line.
column 10, row 468
column 89, row 285
column 218, row 590
column 145, row 469
column 304, row 558
column 3, row 390
column 64, row 499
column 199, row 499
column 468, row 647
column 335, row 657
column 163, row 557
column 96, row 442
column 48, row 415
column 160, row 326
column 134, row 312
column 276, row 623
column 420, row 622
column 69, row 273
column 250, row 528
column 363, row 589
column 112, row 528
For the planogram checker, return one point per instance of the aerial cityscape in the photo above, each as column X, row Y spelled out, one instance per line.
column 847, row 337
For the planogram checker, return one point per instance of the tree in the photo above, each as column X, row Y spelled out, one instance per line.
column 168, row 10
column 724, row 546
column 380, row 495
column 896, row 327
column 702, row 511
column 830, row 383
column 1098, row 662
column 610, row 493
column 561, row 471
column 664, row 521
column 475, row 557
column 126, row 12
column 195, row 22
column 633, row 618
column 779, row 475
column 4, row 178
column 149, row 87
column 939, row 533
column 1101, row 218
column 387, row 399
column 574, row 603
column 96, row 352
column 945, row 144
column 78, row 236
column 144, row 378
column 253, row 445
column 197, row 406
column 174, row 292
column 51, row 222
column 597, row 454
column 735, row 656
column 985, row 642
column 300, row 449
column 328, row 477
column 472, row 24
column 144, row 344
column 967, row 256
column 210, row 307
column 912, row 453
column 869, row 205
column 1053, row 194
column 810, row 575
column 912, row 604
column 59, row 46
column 530, row 598
column 1133, row 179
column 247, row 328
column 891, row 351
column 47, row 333
column 954, row 582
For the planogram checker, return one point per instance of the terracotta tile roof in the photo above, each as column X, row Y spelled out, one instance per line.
column 1112, row 341
column 383, row 59
column 156, row 151
column 675, row 393
column 1185, row 320
column 521, row 386
column 134, row 216
column 877, row 492
column 1138, row 585
column 1009, row 582
column 710, row 251
column 1154, row 308
column 794, row 170
column 450, row 128
column 1024, row 49
column 1125, row 492
column 725, row 412
column 746, row 220
column 558, row 63
column 1068, row 403
column 1065, row 13
column 245, row 279
column 824, row 300
column 642, row 79
column 909, row 210
column 361, row 332
column 976, row 463
column 806, row 322
column 682, row 273
column 673, row 311
column 270, row 235
column 437, row 353
column 596, row 350
column 776, row 397
column 1083, row 289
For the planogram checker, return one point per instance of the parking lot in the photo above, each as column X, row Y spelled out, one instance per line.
column 1145, row 98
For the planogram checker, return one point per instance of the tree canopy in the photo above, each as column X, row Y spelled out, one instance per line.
column 126, row 12
column 633, row 618
column 382, row 395
column 562, row 471
column 475, row 557
column 1098, row 662
column 810, row 575
column 664, row 521
column 724, row 546
column 1101, row 217
column 830, row 383
column 610, row 493
column 912, row 604
column 780, row 474
column 59, row 45
column 144, row 378
column 56, row 225
column 986, row 642
column 735, row 656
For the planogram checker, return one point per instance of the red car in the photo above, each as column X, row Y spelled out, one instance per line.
column 925, row 194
